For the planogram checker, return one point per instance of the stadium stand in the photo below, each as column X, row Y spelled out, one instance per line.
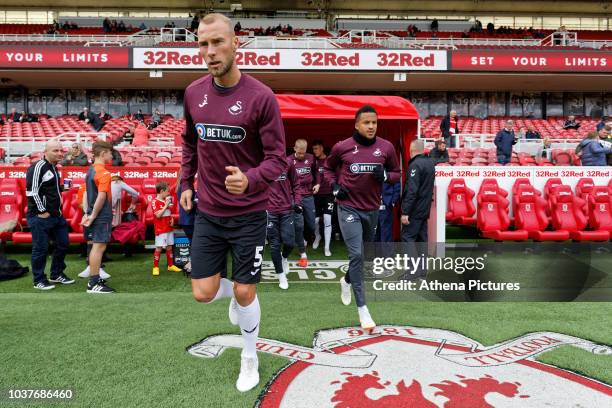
column 549, row 128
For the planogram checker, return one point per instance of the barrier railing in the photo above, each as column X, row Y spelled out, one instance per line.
column 37, row 143
column 485, row 140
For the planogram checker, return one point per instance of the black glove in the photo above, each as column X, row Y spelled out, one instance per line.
column 340, row 192
column 298, row 208
column 379, row 174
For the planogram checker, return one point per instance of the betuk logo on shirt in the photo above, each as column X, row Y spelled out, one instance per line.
column 360, row 168
column 208, row 132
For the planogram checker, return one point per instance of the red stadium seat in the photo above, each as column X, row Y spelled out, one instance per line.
column 491, row 182
column 550, row 184
column 562, row 158
column 567, row 214
column 148, row 194
column 519, row 182
column 530, row 215
column 22, row 237
column 493, row 220
column 12, row 188
column 461, row 208
column 9, row 215
column 584, row 188
column 600, row 206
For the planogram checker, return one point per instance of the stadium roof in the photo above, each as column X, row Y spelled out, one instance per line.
column 556, row 7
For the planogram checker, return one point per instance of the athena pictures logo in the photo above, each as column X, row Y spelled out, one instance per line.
column 406, row 366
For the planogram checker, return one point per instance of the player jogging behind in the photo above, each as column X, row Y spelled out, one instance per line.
column 365, row 161
column 281, row 232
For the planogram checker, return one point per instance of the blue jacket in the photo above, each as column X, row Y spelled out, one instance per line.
column 593, row 153
column 504, row 141
column 390, row 194
column 186, row 218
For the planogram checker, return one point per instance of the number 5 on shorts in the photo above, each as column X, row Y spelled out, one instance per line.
column 258, row 257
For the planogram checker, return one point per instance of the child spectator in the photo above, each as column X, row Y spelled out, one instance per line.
column 99, row 216
column 162, row 224
column 82, row 203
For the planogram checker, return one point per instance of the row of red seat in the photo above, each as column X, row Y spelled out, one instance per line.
column 551, row 127
column 488, row 157
column 13, row 208
column 584, row 216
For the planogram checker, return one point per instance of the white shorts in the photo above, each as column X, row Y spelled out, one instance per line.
column 165, row 239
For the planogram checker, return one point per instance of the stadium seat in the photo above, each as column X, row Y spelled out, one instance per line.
column 600, row 206
column 148, row 194
column 550, row 184
column 12, row 188
column 491, row 182
column 567, row 214
column 584, row 187
column 9, row 215
column 492, row 218
column 530, row 215
column 461, row 208
column 519, row 182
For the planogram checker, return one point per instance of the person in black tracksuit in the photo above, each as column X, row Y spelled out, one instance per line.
column 45, row 218
column 418, row 194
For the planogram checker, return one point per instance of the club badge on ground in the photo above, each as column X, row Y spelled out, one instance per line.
column 420, row 367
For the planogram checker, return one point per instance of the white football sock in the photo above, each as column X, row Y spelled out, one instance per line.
column 226, row 290
column 248, row 320
column 327, row 229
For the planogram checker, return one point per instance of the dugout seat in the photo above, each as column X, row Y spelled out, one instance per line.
column 491, row 182
column 492, row 218
column 12, row 187
column 567, row 214
column 461, row 208
column 148, row 194
column 9, row 215
column 600, row 206
column 530, row 215
column 584, row 187
column 550, row 184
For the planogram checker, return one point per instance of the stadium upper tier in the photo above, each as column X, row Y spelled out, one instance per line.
column 171, row 127
column 38, row 34
column 549, row 128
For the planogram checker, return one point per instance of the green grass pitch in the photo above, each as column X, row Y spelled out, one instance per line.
column 128, row 349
